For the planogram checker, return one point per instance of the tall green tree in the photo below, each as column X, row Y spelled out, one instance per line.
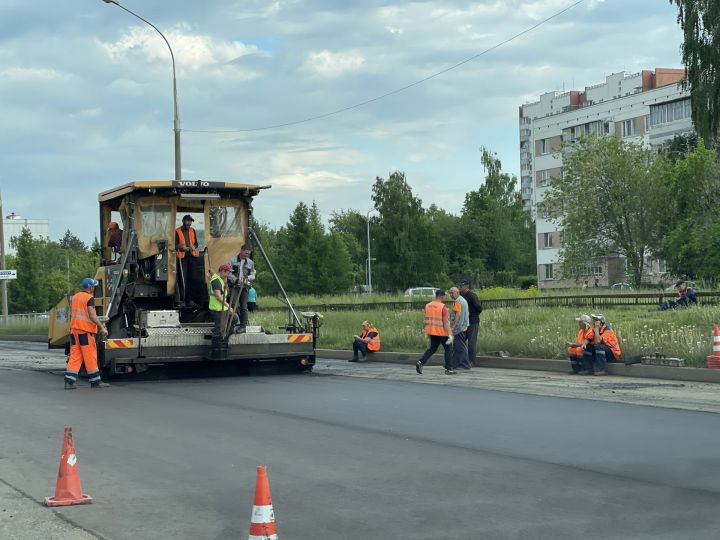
column 700, row 23
column 691, row 244
column 27, row 293
column 612, row 198
column 498, row 232
column 72, row 242
column 351, row 225
column 407, row 249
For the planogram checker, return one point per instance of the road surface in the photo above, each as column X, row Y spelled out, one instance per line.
column 361, row 458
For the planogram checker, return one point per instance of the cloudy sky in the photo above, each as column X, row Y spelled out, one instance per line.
column 86, row 93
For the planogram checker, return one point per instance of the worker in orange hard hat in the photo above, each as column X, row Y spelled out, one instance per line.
column 114, row 239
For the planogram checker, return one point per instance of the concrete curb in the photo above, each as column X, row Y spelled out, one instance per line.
column 34, row 339
column 542, row 364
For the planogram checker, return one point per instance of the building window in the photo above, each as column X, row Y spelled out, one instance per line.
column 544, row 146
column 548, row 271
column 628, row 128
column 547, row 240
column 544, row 177
column 597, row 270
column 670, row 112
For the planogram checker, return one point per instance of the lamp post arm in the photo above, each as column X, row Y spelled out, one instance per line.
column 176, row 113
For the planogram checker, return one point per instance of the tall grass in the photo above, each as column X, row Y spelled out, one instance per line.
column 532, row 332
column 34, row 328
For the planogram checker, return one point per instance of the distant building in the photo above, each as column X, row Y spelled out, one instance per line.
column 647, row 107
column 14, row 224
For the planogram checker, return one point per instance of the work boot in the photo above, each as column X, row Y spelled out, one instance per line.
column 418, row 367
column 354, row 358
column 70, row 385
column 363, row 358
column 100, row 385
column 600, row 373
column 450, row 372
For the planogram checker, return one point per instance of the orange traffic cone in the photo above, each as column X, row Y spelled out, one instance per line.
column 713, row 361
column 67, row 488
column 262, row 521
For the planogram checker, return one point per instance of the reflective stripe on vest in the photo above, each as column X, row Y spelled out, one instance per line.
column 610, row 340
column 434, row 319
column 181, row 240
column 374, row 343
column 214, row 304
column 79, row 317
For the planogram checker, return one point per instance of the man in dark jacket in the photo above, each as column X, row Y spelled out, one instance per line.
column 475, row 308
column 685, row 297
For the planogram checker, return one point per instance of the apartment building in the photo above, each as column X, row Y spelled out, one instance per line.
column 14, row 224
column 648, row 107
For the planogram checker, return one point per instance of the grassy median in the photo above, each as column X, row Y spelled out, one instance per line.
column 535, row 332
column 532, row 332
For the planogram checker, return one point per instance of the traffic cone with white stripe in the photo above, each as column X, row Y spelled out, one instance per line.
column 713, row 361
column 67, row 489
column 262, row 521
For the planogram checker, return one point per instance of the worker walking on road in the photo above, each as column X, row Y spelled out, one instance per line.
column 475, row 309
column 84, row 324
column 459, row 321
column 186, row 249
column 437, row 328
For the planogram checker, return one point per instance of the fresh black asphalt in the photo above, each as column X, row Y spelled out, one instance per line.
column 362, row 459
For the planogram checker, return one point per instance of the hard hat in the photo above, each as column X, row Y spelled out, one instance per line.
column 89, row 282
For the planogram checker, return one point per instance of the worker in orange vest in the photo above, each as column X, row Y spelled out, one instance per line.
column 605, row 345
column 368, row 340
column 576, row 349
column 437, row 328
column 187, row 260
column 84, row 324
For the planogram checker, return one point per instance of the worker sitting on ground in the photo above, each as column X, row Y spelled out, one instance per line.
column 576, row 349
column 686, row 297
column 605, row 346
column 367, row 341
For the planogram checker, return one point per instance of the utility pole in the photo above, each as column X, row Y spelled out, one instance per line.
column 3, row 282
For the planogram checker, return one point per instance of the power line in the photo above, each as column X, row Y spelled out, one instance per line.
column 397, row 90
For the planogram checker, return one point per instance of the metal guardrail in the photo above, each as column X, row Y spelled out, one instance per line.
column 590, row 301
column 22, row 319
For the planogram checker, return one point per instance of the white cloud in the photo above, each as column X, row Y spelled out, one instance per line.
column 87, row 113
column 31, row 74
column 332, row 64
column 311, row 181
column 192, row 51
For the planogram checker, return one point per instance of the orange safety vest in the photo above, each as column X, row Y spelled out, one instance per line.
column 79, row 318
column 181, row 240
column 578, row 351
column 610, row 340
column 374, row 343
column 434, row 319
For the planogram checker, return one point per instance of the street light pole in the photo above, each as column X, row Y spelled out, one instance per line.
column 3, row 283
column 369, row 258
column 176, row 116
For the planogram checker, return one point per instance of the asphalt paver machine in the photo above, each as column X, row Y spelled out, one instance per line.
column 137, row 295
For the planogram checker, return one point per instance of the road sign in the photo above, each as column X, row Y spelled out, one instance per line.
column 8, row 274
